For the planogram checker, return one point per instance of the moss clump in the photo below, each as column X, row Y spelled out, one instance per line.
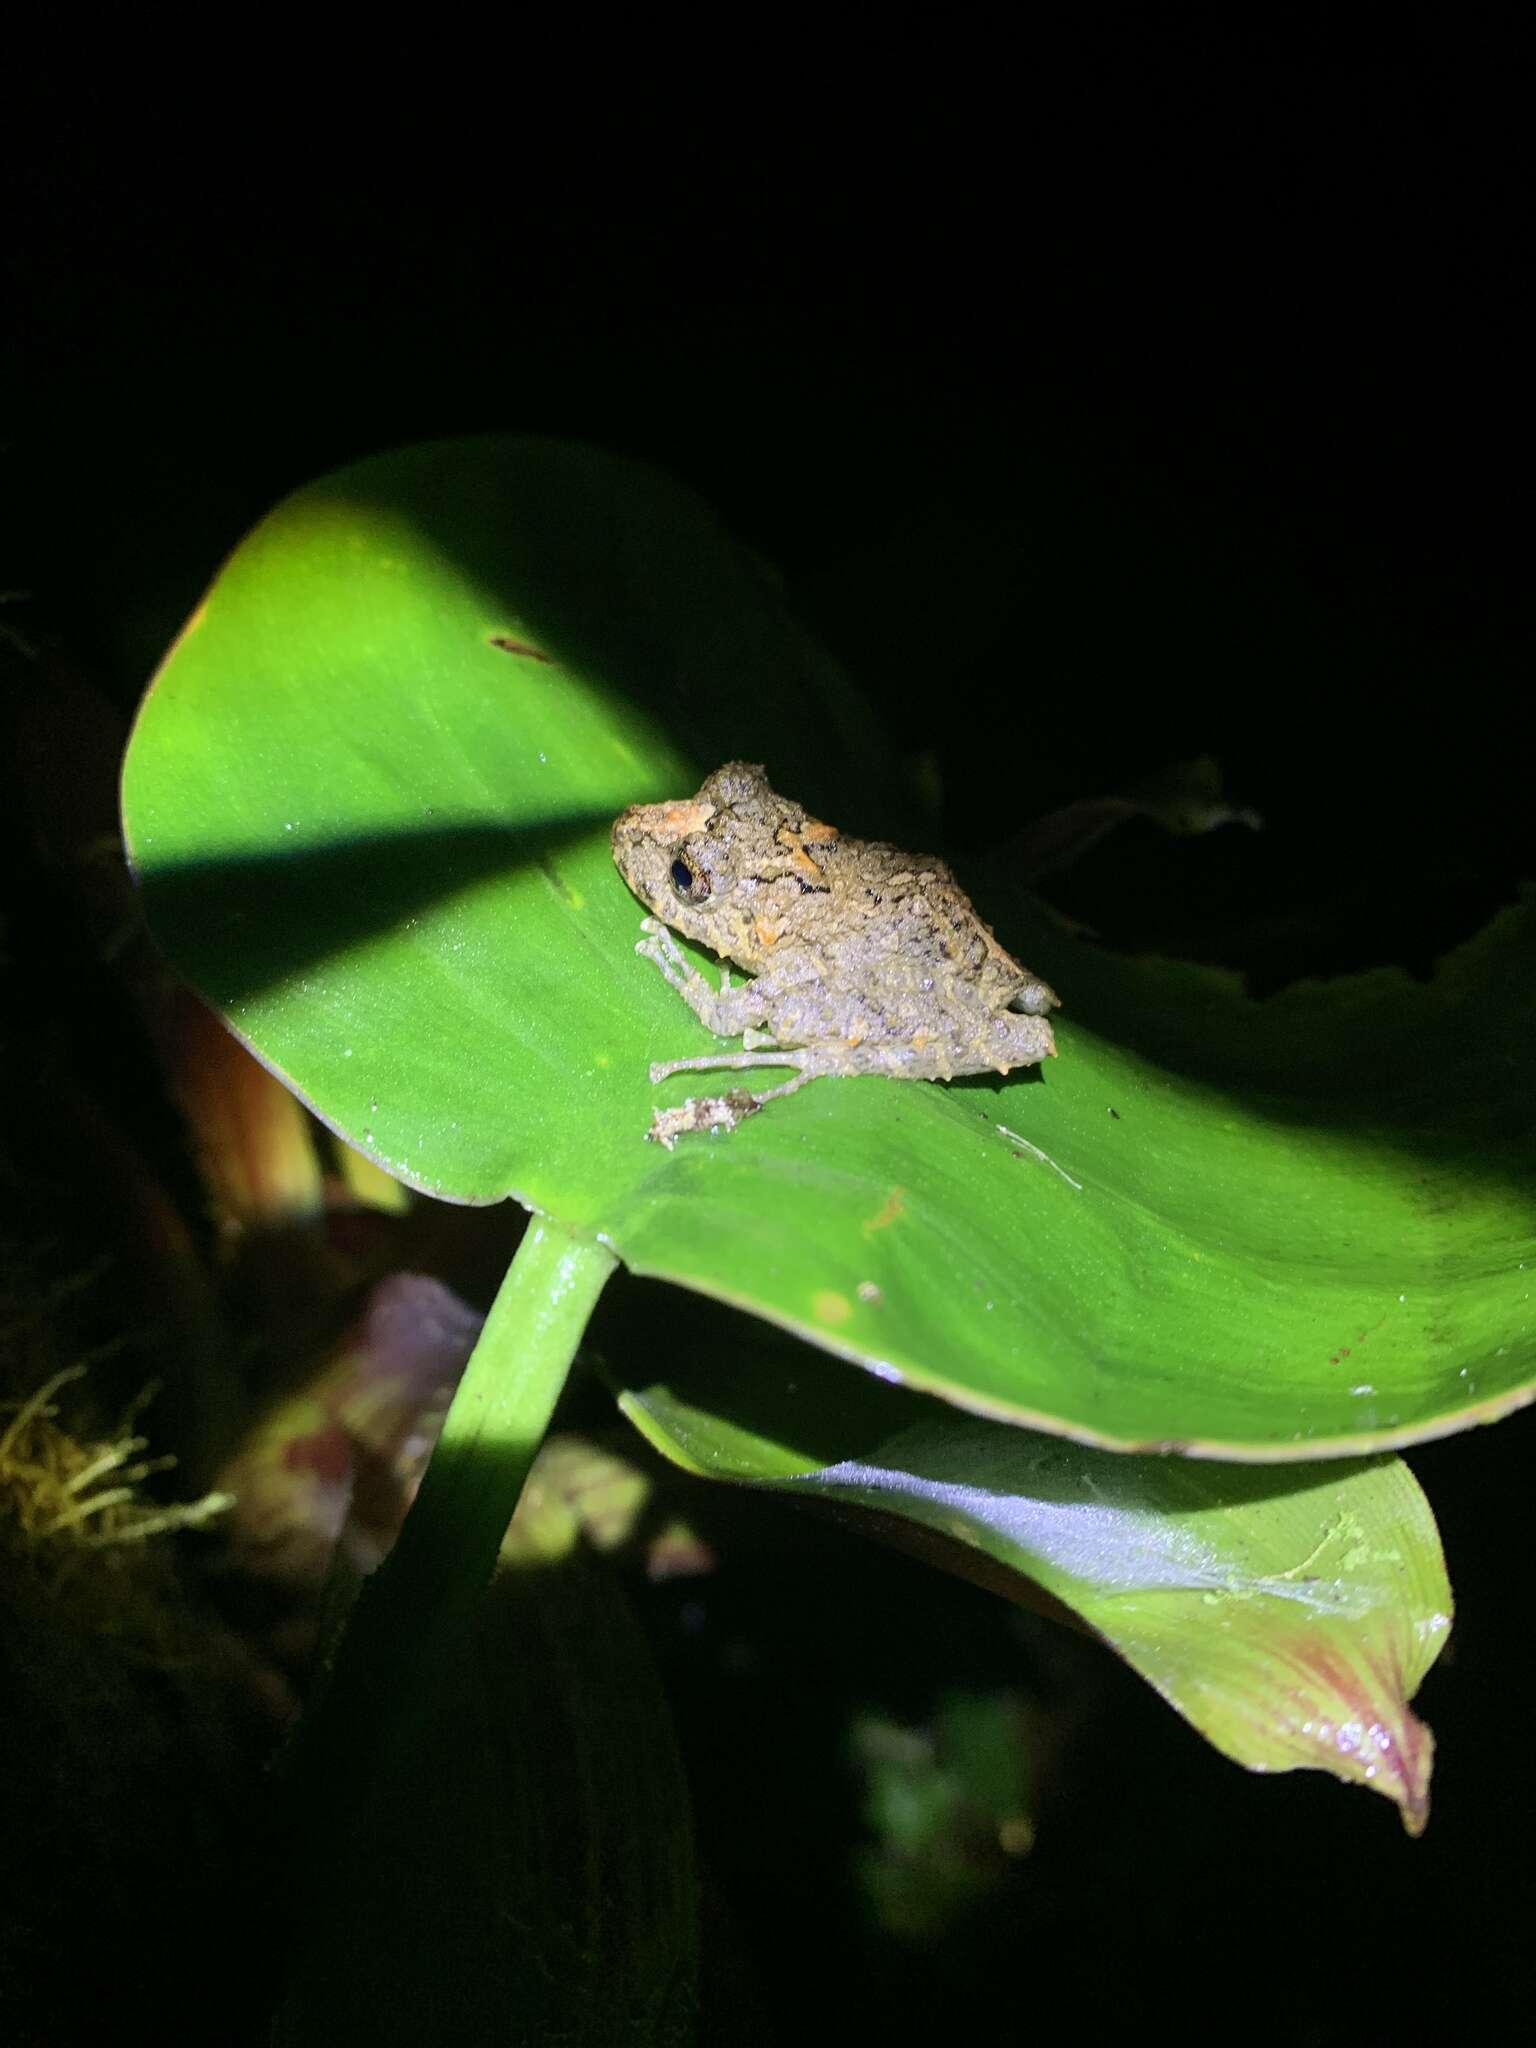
column 130, row 1747
column 59, row 1495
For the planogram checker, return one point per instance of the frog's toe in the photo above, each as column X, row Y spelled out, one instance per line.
column 657, row 939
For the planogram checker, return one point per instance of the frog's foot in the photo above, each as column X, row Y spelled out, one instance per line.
column 715, row 1112
column 662, row 950
column 702, row 1113
column 725, row 1112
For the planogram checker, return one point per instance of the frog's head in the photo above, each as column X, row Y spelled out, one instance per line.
column 696, row 862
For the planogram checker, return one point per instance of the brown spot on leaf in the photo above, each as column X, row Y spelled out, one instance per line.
column 890, row 1209
column 510, row 646
column 829, row 1307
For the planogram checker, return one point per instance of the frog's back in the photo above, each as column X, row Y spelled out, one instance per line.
column 911, row 905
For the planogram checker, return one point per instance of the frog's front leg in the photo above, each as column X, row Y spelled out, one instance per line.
column 727, row 1011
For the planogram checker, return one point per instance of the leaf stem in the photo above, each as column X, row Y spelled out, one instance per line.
column 447, row 1549
column 410, row 1614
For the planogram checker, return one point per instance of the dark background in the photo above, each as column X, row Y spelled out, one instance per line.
column 1164, row 396
column 1103, row 406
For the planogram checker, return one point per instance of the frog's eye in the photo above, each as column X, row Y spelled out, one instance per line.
column 688, row 882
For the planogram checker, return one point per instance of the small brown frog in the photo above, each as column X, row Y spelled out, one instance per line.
column 866, row 960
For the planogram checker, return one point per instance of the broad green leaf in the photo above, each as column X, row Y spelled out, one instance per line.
column 526, row 1872
column 1288, row 1615
column 368, row 796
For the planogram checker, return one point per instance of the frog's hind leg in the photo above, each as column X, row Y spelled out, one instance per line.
column 1034, row 998
column 784, row 1088
column 762, row 1055
column 1018, row 1041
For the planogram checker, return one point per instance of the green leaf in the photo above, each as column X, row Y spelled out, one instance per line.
column 1288, row 1615
column 368, row 796
column 526, row 1872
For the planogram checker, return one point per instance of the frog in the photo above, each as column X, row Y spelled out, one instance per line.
column 861, row 959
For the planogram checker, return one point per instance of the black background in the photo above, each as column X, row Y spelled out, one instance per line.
column 1103, row 405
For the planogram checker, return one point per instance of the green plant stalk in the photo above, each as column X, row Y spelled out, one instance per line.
column 412, row 1612
column 496, row 1422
